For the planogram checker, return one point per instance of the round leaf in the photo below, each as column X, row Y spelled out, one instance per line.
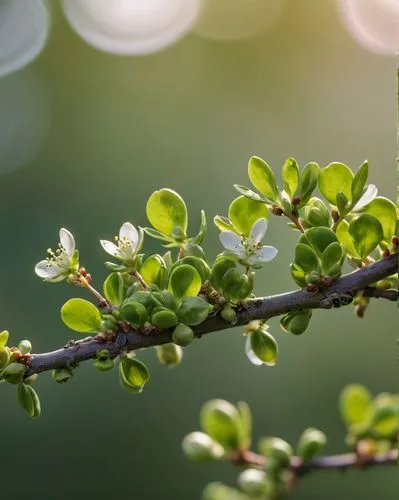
column 263, row 178
column 221, row 421
column 163, row 318
column 114, row 288
column 291, row 176
column 385, row 211
column 318, row 238
column 355, row 403
column 219, row 269
column 244, row 212
column 81, row 316
column 193, row 310
column 153, row 270
column 167, row 211
column 133, row 374
column 199, row 264
column 264, row 346
column 332, row 255
column 134, row 313
column 367, row 233
column 346, row 239
column 335, row 178
column 185, row 281
column 306, row 258
column 311, row 442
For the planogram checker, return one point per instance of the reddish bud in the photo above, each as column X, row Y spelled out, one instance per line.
column 386, row 253
column 296, row 200
column 334, row 215
column 277, row 210
column 83, row 271
column 311, row 288
column 395, row 241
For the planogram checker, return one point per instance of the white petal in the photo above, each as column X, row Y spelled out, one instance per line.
column 231, row 241
column 258, row 230
column 253, row 358
column 44, row 270
column 110, row 247
column 367, row 196
column 267, row 253
column 129, row 232
column 67, row 241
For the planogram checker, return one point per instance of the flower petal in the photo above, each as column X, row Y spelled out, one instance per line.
column 110, row 247
column 231, row 241
column 67, row 241
column 45, row 271
column 267, row 253
column 253, row 358
column 258, row 230
column 367, row 197
column 129, row 232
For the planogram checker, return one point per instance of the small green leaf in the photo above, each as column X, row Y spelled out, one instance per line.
column 367, row 233
column 168, row 300
column 4, row 338
column 144, row 298
column 296, row 322
column 185, row 281
column 276, row 449
column 334, row 178
column 134, row 313
column 114, row 289
column 167, row 212
column 219, row 269
column 163, row 318
column 248, row 193
column 194, row 250
column 223, row 223
column 264, row 346
column 221, row 421
column 342, row 203
column 154, row 270
column 81, row 316
column 133, row 374
column 332, row 255
column 385, row 417
column 291, row 176
column 183, row 335
column 199, row 447
column 355, row 404
column 306, row 258
column 4, row 357
column 255, row 483
column 318, row 238
column 14, row 373
column 308, row 182
column 384, row 210
column 316, row 213
column 157, row 235
column 244, row 212
column 311, row 442
column 199, row 238
column 346, row 239
column 29, row 400
column 193, row 311
column 359, row 182
column 246, row 423
column 298, row 275
column 236, row 286
column 199, row 264
column 263, row 178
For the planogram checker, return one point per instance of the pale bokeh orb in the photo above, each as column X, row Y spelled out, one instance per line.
column 24, row 29
column 373, row 23
column 131, row 27
column 237, row 19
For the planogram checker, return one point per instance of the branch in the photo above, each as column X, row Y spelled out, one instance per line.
column 340, row 293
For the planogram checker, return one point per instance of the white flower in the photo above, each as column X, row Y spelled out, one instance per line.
column 129, row 243
column 249, row 249
column 366, row 198
column 61, row 263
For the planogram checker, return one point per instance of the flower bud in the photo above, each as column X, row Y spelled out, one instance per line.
column 103, row 364
column 163, row 318
column 62, row 375
column 276, row 449
column 311, row 442
column 199, row 447
column 254, row 482
column 183, row 335
column 25, row 347
column 228, row 314
column 14, row 373
column 221, row 420
column 169, row 354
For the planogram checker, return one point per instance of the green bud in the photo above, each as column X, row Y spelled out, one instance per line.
column 200, row 447
column 4, row 356
column 25, row 347
column 385, row 418
column 312, row 277
column 183, row 335
column 14, row 373
column 163, row 318
column 168, row 300
column 134, row 312
column 311, row 442
column 103, row 364
column 169, row 354
column 285, row 202
column 296, row 323
column 193, row 311
column 254, row 482
column 133, row 374
column 29, row 400
column 32, row 379
column 221, row 420
column 62, row 375
column 277, row 450
column 228, row 314
column 4, row 338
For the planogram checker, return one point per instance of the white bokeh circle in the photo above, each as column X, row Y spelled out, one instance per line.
column 373, row 23
column 24, row 28
column 131, row 27
column 237, row 19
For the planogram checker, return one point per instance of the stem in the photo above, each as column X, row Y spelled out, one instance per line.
column 295, row 220
column 140, row 279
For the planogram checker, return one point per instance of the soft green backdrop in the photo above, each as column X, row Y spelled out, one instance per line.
column 112, row 129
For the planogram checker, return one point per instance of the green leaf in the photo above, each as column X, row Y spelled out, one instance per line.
column 291, row 176
column 14, row 373
column 221, row 421
column 342, row 203
column 355, row 404
column 168, row 300
column 185, row 281
column 157, row 235
column 219, row 269
column 199, row 447
column 4, row 357
column 248, row 193
column 306, row 258
column 163, row 318
column 359, row 182
column 298, row 274
column 134, row 313
column 244, row 212
column 264, row 346
column 263, row 178
column 223, row 223
column 332, row 255
column 367, row 233
column 296, row 322
column 183, row 335
column 236, row 286
column 318, row 238
column 335, row 178
column 114, row 289
column 308, row 182
column 194, row 250
column 346, row 239
column 199, row 238
column 154, row 270
column 193, row 310
column 81, row 316
column 29, row 400
column 384, row 210
column 169, row 354
column 199, row 264
column 133, row 374
column 167, row 212
column 246, row 423
column 144, row 298
column 4, row 338
column 311, row 442
column 276, row 449
column 385, row 417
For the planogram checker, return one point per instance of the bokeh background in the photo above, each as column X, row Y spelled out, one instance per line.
column 85, row 137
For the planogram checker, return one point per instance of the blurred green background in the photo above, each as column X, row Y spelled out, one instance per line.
column 85, row 137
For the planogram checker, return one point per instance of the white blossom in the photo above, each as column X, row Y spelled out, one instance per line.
column 128, row 243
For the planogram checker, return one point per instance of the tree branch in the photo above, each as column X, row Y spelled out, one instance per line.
column 340, row 293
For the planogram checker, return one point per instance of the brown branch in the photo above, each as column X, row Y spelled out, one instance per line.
column 259, row 308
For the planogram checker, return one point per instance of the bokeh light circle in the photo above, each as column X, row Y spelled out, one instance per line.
column 373, row 23
column 237, row 19
column 131, row 27
column 24, row 28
